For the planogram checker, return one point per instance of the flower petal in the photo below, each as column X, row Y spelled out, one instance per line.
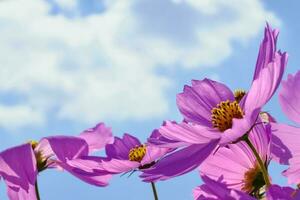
column 216, row 165
column 267, row 50
column 71, row 154
column 179, row 162
column 153, row 153
column 215, row 190
column 289, row 97
column 158, row 139
column 284, row 142
column 121, row 147
column 276, row 192
column 44, row 148
column 18, row 169
column 265, row 85
column 197, row 101
column 97, row 137
column 88, row 170
column 188, row 133
column 239, row 157
column 117, row 166
column 15, row 193
column 289, row 139
column 293, row 172
column 64, row 147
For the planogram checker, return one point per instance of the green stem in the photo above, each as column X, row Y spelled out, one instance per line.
column 260, row 162
column 154, row 191
column 37, row 190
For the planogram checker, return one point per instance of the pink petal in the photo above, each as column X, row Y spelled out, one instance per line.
column 119, row 166
column 88, row 171
column 197, row 101
column 285, row 141
column 179, row 162
column 289, row 97
column 97, row 137
column 265, row 85
column 153, row 153
column 188, row 133
column 18, row 169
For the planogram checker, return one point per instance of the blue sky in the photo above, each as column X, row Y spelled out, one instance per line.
column 66, row 65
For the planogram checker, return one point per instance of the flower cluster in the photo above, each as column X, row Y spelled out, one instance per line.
column 225, row 134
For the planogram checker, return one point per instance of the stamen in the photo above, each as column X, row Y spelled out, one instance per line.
column 40, row 160
column 253, row 180
column 33, row 144
column 239, row 94
column 137, row 153
column 223, row 114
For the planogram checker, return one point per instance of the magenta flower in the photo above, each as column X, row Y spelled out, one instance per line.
column 214, row 115
column 20, row 165
column 237, row 165
column 19, row 170
column 216, row 108
column 128, row 154
column 287, row 137
column 73, row 154
column 215, row 190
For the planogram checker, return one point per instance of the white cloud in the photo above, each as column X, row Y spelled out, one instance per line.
column 67, row 4
column 104, row 66
column 13, row 117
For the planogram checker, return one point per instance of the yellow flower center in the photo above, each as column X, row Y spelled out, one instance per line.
column 223, row 114
column 41, row 162
column 253, row 181
column 239, row 94
column 33, row 143
column 137, row 153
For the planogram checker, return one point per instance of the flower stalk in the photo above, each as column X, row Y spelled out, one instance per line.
column 260, row 162
column 37, row 191
column 154, row 191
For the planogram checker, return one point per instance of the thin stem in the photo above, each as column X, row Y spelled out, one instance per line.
column 260, row 162
column 154, row 191
column 37, row 190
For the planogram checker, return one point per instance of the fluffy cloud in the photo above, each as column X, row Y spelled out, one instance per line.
column 104, row 65
column 13, row 117
column 68, row 4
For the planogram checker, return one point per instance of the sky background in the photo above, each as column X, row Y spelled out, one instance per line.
column 66, row 65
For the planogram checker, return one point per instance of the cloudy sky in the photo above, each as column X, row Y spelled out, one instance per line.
column 67, row 64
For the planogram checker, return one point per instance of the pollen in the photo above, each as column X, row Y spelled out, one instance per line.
column 33, row 143
column 40, row 160
column 137, row 153
column 253, row 180
column 223, row 114
column 239, row 94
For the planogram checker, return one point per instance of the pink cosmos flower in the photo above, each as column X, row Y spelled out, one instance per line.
column 128, row 154
column 237, row 165
column 287, row 137
column 73, row 154
column 214, row 115
column 20, row 165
